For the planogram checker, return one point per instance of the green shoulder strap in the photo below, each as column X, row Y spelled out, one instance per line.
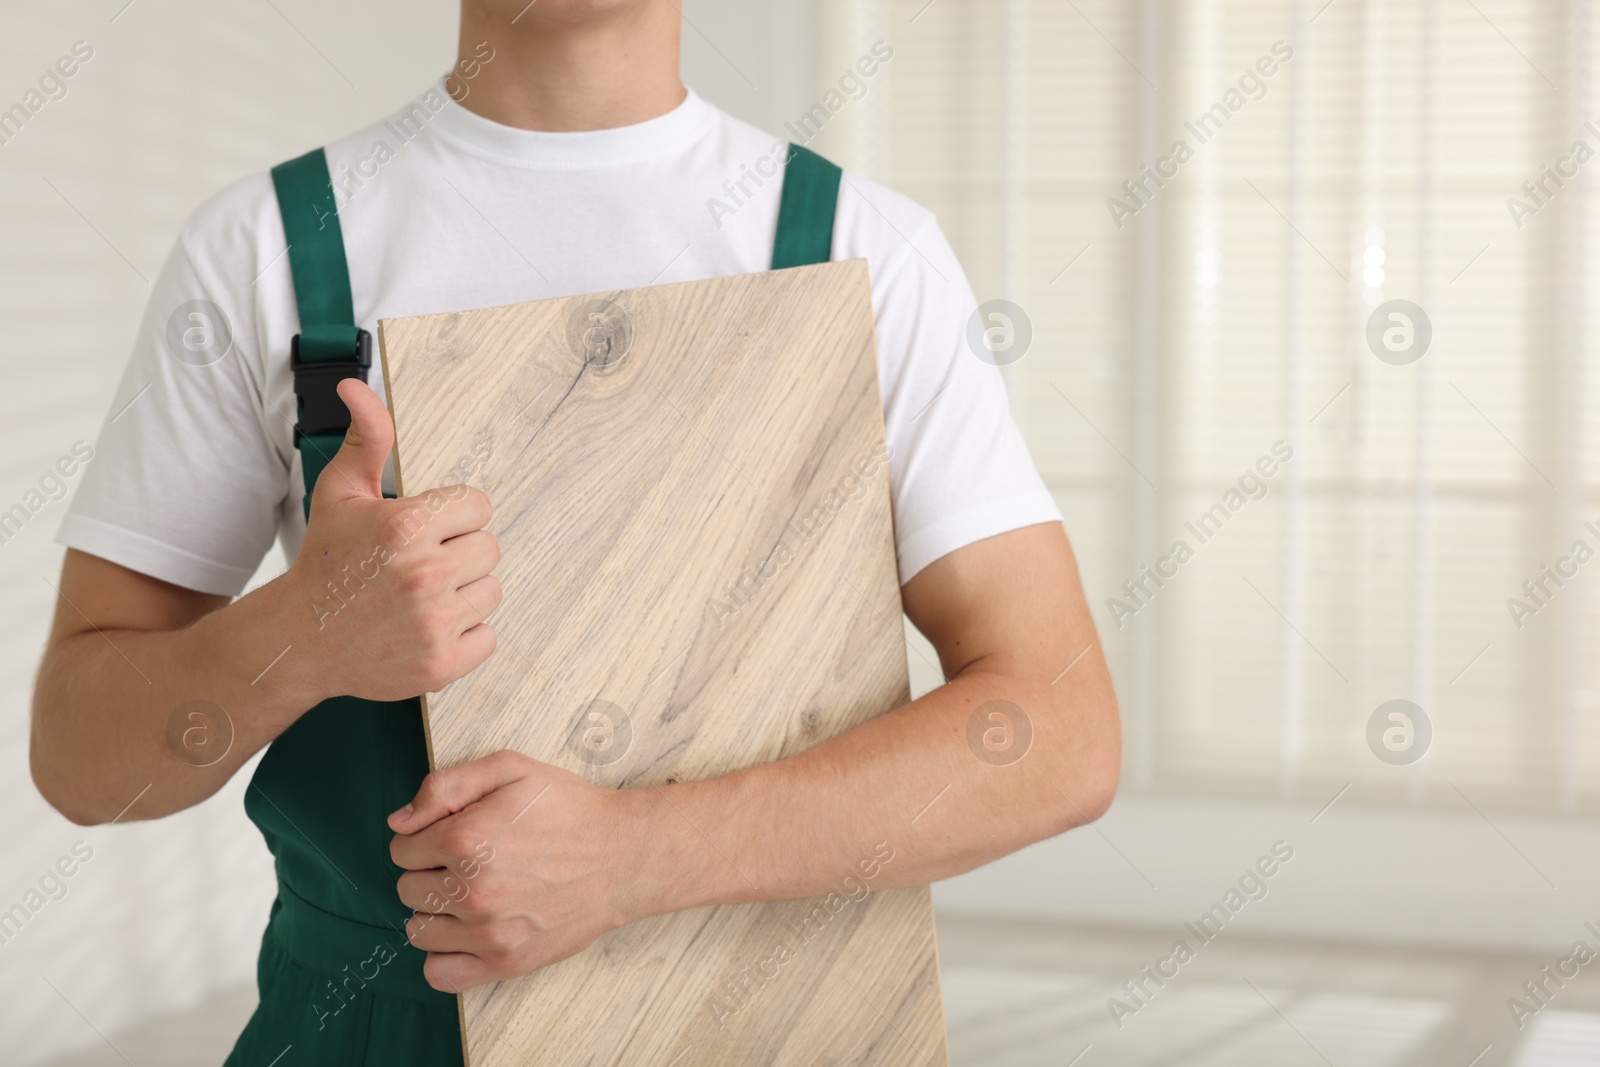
column 330, row 346
column 805, row 211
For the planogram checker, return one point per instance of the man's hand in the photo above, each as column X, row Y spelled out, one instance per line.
column 513, row 865
column 391, row 594
column 386, row 600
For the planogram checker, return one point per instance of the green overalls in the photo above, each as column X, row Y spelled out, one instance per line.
column 339, row 983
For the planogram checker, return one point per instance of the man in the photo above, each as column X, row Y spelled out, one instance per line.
column 561, row 156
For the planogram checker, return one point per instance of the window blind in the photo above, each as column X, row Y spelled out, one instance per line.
column 1200, row 310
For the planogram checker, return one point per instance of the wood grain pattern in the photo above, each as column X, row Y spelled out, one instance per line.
column 693, row 507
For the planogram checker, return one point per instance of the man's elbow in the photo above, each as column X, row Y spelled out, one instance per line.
column 1102, row 778
column 1097, row 766
column 57, row 790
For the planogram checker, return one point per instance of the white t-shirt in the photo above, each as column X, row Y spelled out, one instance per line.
column 195, row 470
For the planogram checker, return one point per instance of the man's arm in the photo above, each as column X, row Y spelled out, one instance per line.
column 129, row 656
column 567, row 860
column 125, row 652
column 1007, row 617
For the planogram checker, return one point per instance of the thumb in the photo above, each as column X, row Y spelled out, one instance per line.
column 356, row 470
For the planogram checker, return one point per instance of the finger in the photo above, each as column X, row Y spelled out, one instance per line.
column 447, row 933
column 478, row 600
column 440, row 514
column 447, row 791
column 356, row 470
column 458, row 844
column 475, row 645
column 434, row 891
column 456, row 972
column 472, row 555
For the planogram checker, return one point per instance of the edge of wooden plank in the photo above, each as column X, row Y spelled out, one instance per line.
column 399, row 488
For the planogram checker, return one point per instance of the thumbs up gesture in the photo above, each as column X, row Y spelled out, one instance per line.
column 396, row 591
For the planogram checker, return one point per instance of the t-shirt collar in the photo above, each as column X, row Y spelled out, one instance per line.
column 576, row 150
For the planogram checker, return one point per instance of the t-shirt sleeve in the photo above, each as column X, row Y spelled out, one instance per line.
column 186, row 482
column 959, row 468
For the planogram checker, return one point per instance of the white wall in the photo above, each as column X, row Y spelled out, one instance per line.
column 1361, row 872
column 179, row 99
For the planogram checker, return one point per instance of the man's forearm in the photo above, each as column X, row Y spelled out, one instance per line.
column 126, row 714
column 909, row 779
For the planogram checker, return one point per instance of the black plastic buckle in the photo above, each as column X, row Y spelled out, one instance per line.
column 316, row 384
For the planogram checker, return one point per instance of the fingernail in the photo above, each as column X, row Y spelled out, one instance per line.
column 402, row 815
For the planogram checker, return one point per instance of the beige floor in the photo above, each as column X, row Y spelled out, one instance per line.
column 1028, row 994
column 1024, row 993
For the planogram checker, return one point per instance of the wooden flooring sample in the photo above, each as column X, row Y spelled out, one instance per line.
column 691, row 494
